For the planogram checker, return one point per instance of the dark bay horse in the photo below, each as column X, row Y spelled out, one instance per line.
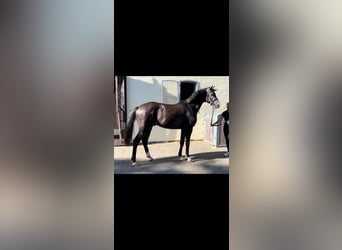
column 182, row 115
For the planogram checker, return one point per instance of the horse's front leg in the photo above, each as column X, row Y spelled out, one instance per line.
column 181, row 144
column 187, row 143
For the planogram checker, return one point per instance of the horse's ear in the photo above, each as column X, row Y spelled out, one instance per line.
column 213, row 88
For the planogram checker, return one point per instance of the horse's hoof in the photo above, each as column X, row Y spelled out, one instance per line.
column 189, row 160
column 181, row 158
column 134, row 163
column 151, row 159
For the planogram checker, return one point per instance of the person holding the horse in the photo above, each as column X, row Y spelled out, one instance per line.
column 223, row 118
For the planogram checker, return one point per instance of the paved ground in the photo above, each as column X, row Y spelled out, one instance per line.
column 206, row 159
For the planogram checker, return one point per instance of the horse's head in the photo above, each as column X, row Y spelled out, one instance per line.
column 211, row 97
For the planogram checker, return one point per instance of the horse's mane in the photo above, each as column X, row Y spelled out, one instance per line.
column 193, row 96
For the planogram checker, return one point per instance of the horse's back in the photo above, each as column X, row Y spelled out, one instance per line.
column 149, row 105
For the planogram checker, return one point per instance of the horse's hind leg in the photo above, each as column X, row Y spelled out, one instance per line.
column 145, row 137
column 135, row 145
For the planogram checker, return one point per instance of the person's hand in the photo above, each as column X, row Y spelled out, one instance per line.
column 219, row 121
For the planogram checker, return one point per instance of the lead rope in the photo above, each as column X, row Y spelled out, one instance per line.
column 212, row 115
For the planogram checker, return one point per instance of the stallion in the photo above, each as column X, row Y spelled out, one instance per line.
column 182, row 115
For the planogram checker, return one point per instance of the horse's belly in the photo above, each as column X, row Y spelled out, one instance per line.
column 172, row 125
column 171, row 119
column 175, row 124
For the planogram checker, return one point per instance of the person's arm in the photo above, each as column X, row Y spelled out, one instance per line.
column 219, row 121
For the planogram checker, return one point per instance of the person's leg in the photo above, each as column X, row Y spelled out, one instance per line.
column 226, row 136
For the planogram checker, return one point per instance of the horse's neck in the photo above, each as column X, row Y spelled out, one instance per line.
column 196, row 107
column 196, row 103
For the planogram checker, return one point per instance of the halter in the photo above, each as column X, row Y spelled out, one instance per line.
column 211, row 100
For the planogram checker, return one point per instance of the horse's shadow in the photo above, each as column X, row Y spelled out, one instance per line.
column 176, row 160
column 207, row 156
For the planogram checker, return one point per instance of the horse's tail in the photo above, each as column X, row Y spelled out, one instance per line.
column 130, row 125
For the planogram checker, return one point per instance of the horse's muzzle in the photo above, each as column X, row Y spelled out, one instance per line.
column 216, row 104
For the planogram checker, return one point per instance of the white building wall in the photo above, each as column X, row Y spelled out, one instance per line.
column 145, row 89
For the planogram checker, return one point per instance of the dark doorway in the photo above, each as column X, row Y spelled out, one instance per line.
column 186, row 89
